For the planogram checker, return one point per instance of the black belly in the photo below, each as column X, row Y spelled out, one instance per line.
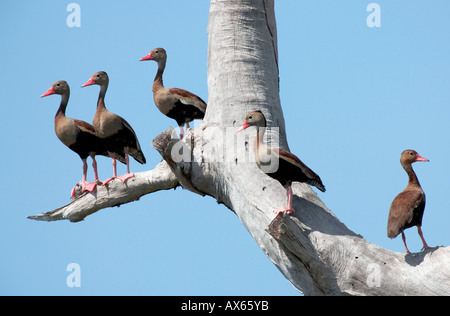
column 87, row 143
column 417, row 216
column 117, row 142
column 184, row 113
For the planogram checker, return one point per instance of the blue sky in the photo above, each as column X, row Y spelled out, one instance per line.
column 353, row 97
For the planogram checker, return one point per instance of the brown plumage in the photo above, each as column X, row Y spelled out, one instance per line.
column 178, row 104
column 278, row 163
column 78, row 135
column 118, row 136
column 407, row 208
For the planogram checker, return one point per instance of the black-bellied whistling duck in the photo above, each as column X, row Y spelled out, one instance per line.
column 77, row 135
column 289, row 167
column 178, row 104
column 407, row 208
column 118, row 135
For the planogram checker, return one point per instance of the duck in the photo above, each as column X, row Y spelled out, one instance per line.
column 178, row 104
column 78, row 135
column 278, row 163
column 118, row 135
column 408, row 207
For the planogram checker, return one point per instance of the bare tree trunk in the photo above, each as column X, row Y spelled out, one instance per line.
column 317, row 253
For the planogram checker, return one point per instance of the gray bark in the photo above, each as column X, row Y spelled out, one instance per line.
column 317, row 253
column 114, row 194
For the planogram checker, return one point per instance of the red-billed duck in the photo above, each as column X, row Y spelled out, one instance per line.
column 407, row 208
column 118, row 135
column 77, row 135
column 178, row 104
column 278, row 163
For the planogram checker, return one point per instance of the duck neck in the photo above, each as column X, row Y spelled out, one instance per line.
column 158, row 82
column 259, row 140
column 412, row 177
column 63, row 105
column 101, row 96
column 260, row 135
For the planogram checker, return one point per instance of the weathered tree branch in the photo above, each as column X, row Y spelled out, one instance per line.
column 346, row 264
column 115, row 193
column 169, row 146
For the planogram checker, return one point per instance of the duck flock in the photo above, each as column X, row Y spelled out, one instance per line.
column 112, row 136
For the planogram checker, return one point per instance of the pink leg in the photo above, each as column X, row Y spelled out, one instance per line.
column 419, row 230
column 290, row 194
column 85, row 167
column 127, row 159
column 72, row 193
column 181, row 132
column 83, row 180
column 187, row 125
column 128, row 175
column 114, row 163
column 86, row 186
column 94, row 165
column 404, row 241
column 289, row 210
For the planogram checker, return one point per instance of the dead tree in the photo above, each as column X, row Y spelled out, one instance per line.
column 317, row 253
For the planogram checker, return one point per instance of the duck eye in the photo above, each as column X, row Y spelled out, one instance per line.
column 250, row 117
column 58, row 84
